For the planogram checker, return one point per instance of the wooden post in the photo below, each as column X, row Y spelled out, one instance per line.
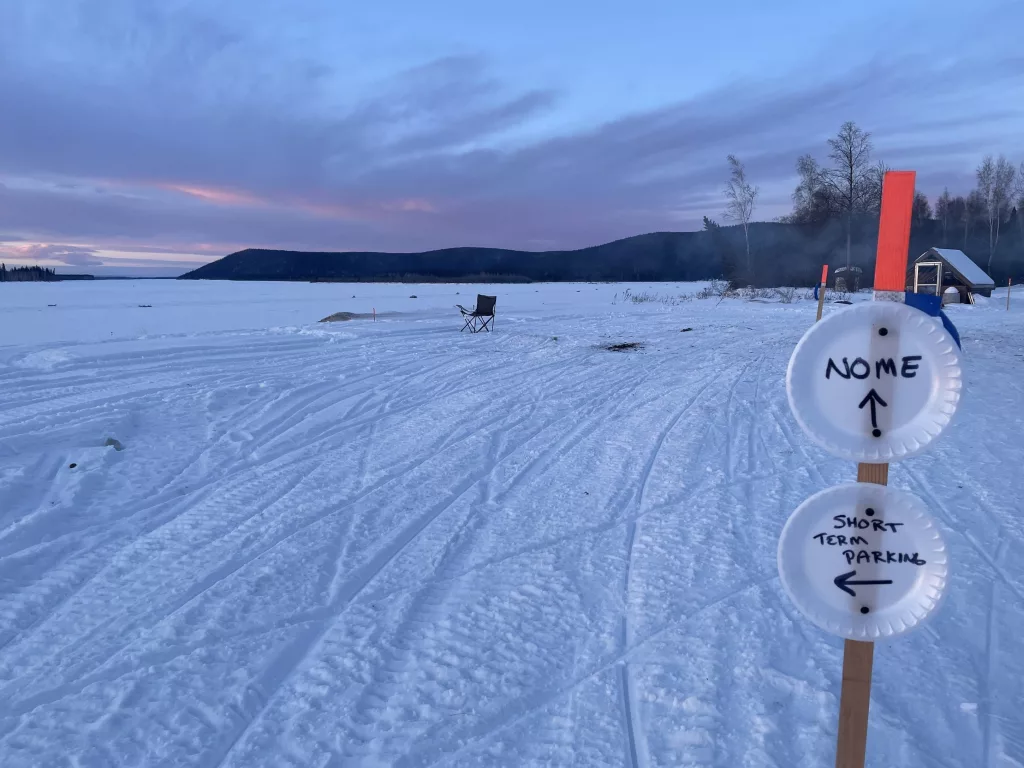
column 890, row 277
column 821, row 290
column 858, row 658
column 1009, row 287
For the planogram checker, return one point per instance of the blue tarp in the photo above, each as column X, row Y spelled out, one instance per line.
column 932, row 305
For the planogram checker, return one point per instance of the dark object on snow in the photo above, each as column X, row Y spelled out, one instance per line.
column 847, row 279
column 339, row 317
column 51, row 305
column 624, row 346
column 844, row 302
column 684, row 330
column 414, row 296
column 146, row 306
column 72, row 465
column 481, row 317
column 113, row 443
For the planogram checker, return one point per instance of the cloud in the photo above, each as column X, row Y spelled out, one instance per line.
column 193, row 133
column 66, row 254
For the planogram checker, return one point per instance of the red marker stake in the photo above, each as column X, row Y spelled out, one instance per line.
column 821, row 290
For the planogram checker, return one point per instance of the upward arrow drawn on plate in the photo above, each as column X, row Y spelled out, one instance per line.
column 843, row 581
column 873, row 398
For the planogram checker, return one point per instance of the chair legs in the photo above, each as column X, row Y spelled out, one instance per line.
column 477, row 323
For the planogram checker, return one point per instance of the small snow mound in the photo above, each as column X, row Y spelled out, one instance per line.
column 44, row 360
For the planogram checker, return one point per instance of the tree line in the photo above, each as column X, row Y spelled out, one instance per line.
column 846, row 189
column 27, row 274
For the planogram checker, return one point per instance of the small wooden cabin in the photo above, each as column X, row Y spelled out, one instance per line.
column 939, row 269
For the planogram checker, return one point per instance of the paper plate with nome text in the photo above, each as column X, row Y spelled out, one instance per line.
column 876, row 382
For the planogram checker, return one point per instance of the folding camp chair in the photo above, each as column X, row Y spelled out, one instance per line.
column 481, row 317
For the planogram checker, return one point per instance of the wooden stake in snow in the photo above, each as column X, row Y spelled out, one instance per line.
column 873, row 383
column 1009, row 287
column 858, row 660
column 890, row 279
column 821, row 290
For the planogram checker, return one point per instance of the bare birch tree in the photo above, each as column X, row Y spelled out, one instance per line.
column 995, row 184
column 922, row 209
column 1018, row 194
column 850, row 177
column 943, row 210
column 873, row 186
column 741, row 198
column 1002, row 194
column 986, row 175
column 973, row 206
column 812, row 200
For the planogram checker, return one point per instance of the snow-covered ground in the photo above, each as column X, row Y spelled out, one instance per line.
column 389, row 544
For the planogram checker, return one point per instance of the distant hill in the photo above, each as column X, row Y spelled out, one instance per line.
column 684, row 255
column 790, row 254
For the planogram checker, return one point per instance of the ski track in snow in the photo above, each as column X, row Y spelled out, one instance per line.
column 371, row 544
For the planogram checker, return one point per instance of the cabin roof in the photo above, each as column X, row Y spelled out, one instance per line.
column 973, row 275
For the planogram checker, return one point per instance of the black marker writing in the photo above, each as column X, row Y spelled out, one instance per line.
column 864, row 556
column 843, row 521
column 909, row 369
column 861, row 368
column 833, row 367
column 865, row 365
column 838, row 540
column 887, row 365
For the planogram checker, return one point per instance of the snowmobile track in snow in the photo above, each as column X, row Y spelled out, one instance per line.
column 385, row 544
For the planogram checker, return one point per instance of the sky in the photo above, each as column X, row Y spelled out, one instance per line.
column 148, row 137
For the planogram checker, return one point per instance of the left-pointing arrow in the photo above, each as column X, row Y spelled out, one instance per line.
column 843, row 582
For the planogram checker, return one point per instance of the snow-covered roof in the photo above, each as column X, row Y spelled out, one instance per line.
column 962, row 264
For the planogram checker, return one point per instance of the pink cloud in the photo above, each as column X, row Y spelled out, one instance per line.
column 72, row 255
column 423, row 206
column 327, row 209
column 214, row 195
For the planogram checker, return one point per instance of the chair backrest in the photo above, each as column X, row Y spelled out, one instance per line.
column 485, row 305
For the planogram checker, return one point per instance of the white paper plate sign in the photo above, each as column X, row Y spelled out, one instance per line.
column 863, row 561
column 876, row 382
